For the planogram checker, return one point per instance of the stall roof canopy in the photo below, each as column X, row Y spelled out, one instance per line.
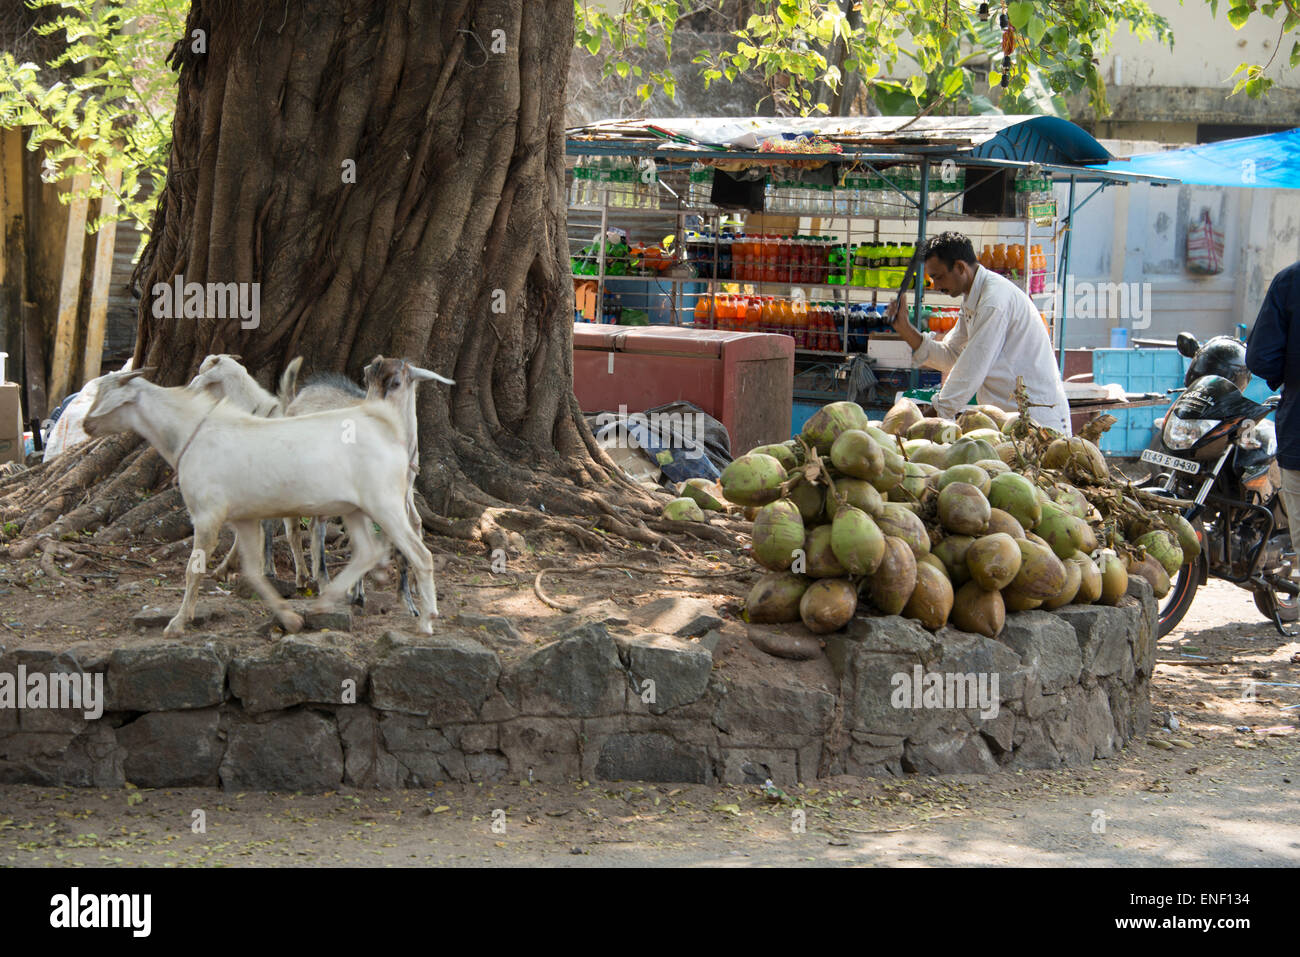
column 992, row 139
column 1268, row 161
column 1040, row 139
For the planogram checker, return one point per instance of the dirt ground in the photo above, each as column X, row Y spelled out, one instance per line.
column 1217, row 790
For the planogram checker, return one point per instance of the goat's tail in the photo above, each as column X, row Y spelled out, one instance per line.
column 289, row 383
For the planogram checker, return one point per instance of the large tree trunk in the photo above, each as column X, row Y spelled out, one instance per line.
column 447, row 246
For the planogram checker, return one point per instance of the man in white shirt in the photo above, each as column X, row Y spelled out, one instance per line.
column 998, row 337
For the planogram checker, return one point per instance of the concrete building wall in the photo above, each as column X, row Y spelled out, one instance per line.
column 1137, row 235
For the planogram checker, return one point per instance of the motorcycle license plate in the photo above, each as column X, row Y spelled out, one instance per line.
column 1170, row 461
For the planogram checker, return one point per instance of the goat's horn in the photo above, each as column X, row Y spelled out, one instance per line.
column 125, row 376
column 424, row 374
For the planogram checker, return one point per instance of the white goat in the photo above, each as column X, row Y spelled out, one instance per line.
column 223, row 376
column 390, row 380
column 237, row 468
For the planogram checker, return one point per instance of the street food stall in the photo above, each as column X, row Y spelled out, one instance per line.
column 803, row 228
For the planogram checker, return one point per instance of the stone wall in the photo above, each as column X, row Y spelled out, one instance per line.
column 610, row 699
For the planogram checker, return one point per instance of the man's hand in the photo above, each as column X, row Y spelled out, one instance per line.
column 897, row 315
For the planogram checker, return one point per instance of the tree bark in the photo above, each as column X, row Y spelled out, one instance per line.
column 390, row 173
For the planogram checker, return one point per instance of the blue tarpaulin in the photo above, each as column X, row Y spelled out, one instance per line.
column 1271, row 161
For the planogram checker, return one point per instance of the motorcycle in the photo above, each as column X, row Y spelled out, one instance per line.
column 1217, row 450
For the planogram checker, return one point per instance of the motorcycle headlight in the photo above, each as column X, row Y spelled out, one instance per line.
column 1180, row 434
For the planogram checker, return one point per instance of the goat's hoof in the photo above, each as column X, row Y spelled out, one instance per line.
column 174, row 629
column 292, row 622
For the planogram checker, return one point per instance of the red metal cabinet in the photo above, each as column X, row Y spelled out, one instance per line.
column 743, row 379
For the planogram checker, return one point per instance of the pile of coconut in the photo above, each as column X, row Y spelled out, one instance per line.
column 938, row 520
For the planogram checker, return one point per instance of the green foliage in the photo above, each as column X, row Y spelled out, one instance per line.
column 803, row 51
column 116, row 109
column 1251, row 76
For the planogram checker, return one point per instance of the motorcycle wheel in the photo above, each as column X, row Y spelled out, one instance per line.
column 1288, row 606
column 1179, row 600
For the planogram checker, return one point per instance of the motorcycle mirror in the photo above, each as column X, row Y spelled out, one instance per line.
column 1187, row 344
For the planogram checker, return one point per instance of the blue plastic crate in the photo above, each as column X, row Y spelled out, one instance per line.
column 803, row 410
column 1136, row 370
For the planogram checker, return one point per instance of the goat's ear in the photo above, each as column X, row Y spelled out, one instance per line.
column 208, row 363
column 236, row 358
column 371, row 370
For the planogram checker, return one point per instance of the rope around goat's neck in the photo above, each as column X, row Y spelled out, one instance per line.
column 185, row 448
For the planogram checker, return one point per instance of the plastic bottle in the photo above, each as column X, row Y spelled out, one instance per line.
column 1000, row 258
column 1025, row 182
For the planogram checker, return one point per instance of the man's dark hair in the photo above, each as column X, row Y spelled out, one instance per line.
column 950, row 249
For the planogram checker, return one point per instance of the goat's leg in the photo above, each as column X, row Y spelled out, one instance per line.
column 294, row 534
column 404, row 584
column 317, row 536
column 367, row 552
column 248, row 530
column 268, row 557
column 403, row 566
column 410, row 544
column 230, row 562
column 205, row 540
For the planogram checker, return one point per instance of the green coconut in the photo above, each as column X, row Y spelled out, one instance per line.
column 707, row 495
column 942, row 431
column 1071, row 500
column 1015, row 600
column 753, row 480
column 858, row 455
column 810, row 499
column 782, row 453
column 952, row 551
column 1186, row 535
column 931, row 600
column 904, row 414
column 821, row 561
column 993, row 466
column 1000, row 521
column 929, row 453
column 1041, row 574
column 1073, row 579
column 778, row 534
column 967, row 451
column 895, row 468
column 972, row 418
column 1151, row 569
column 914, row 483
column 828, row 605
column 774, row 599
column 977, row 611
column 905, row 525
column 970, row 474
column 683, row 510
column 891, row 586
column 993, row 561
column 1061, row 530
column 830, row 421
column 857, row 541
column 1163, row 547
column 856, row 492
column 1114, row 578
column 1015, row 495
column 963, row 509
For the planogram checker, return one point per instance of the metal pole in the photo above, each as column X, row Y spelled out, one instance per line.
column 920, row 234
column 1062, row 274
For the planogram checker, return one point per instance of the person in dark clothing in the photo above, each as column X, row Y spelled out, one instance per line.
column 1273, row 354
